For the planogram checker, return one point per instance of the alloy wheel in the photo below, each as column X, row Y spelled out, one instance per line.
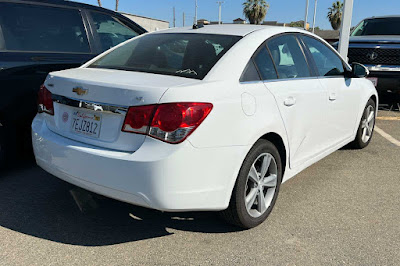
column 261, row 185
column 368, row 123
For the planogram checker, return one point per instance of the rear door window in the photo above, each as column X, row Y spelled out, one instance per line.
column 28, row 27
column 288, row 57
column 111, row 30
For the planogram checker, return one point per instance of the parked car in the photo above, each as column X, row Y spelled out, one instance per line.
column 37, row 37
column 375, row 42
column 202, row 119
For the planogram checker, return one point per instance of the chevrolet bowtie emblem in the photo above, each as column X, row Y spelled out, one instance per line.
column 79, row 91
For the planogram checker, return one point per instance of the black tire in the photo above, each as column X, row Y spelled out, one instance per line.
column 237, row 213
column 358, row 142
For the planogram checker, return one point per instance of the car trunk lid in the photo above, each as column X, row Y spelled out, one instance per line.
column 90, row 104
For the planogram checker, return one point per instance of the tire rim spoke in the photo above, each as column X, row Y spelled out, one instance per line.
column 265, row 165
column 270, row 181
column 253, row 174
column 366, row 112
column 251, row 198
column 371, row 116
column 364, row 135
column 261, row 206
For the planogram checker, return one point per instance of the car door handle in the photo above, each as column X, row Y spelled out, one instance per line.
column 332, row 97
column 290, row 101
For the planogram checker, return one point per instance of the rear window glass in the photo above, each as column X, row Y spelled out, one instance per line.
column 111, row 30
column 177, row 54
column 378, row 26
column 42, row 28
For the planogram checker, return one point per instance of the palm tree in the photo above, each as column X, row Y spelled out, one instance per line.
column 99, row 1
column 255, row 10
column 335, row 14
column 116, row 5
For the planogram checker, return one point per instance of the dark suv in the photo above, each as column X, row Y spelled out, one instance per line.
column 37, row 37
column 375, row 42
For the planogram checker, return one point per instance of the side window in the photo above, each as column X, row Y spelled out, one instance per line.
column 111, row 30
column 42, row 28
column 288, row 57
column 327, row 62
column 250, row 73
column 265, row 65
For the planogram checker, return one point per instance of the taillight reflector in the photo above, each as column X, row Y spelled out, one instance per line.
column 45, row 101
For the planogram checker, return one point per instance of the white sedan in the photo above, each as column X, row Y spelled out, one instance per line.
column 214, row 118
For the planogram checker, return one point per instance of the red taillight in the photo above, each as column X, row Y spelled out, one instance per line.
column 45, row 101
column 174, row 122
column 170, row 122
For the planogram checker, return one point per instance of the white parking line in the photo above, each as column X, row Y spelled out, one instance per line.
column 387, row 136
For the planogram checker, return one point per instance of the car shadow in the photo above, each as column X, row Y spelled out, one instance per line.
column 35, row 203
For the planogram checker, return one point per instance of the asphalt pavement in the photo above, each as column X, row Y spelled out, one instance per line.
column 343, row 210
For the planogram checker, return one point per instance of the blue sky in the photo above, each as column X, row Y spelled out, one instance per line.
column 280, row 10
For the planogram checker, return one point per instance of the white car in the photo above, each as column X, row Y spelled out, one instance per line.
column 214, row 118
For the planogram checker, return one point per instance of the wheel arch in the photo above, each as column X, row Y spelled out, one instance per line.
column 277, row 140
column 375, row 99
column 279, row 143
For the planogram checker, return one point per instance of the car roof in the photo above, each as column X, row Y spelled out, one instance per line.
column 78, row 5
column 229, row 29
column 388, row 16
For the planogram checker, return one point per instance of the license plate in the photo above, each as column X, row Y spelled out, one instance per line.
column 87, row 124
column 374, row 81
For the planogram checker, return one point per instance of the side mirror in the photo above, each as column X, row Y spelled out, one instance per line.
column 359, row 70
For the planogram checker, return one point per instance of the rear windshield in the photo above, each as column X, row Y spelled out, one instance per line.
column 178, row 54
column 378, row 26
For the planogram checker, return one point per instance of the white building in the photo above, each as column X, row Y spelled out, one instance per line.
column 149, row 24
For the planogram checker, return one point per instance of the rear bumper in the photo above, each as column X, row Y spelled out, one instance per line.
column 158, row 175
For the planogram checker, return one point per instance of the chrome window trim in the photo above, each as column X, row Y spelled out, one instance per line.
column 288, row 79
column 89, row 105
column 251, row 82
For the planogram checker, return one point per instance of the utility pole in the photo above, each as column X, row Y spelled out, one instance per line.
column 305, row 19
column 219, row 13
column 99, row 2
column 315, row 15
column 183, row 19
column 345, row 28
column 174, row 16
column 116, row 5
column 195, row 12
